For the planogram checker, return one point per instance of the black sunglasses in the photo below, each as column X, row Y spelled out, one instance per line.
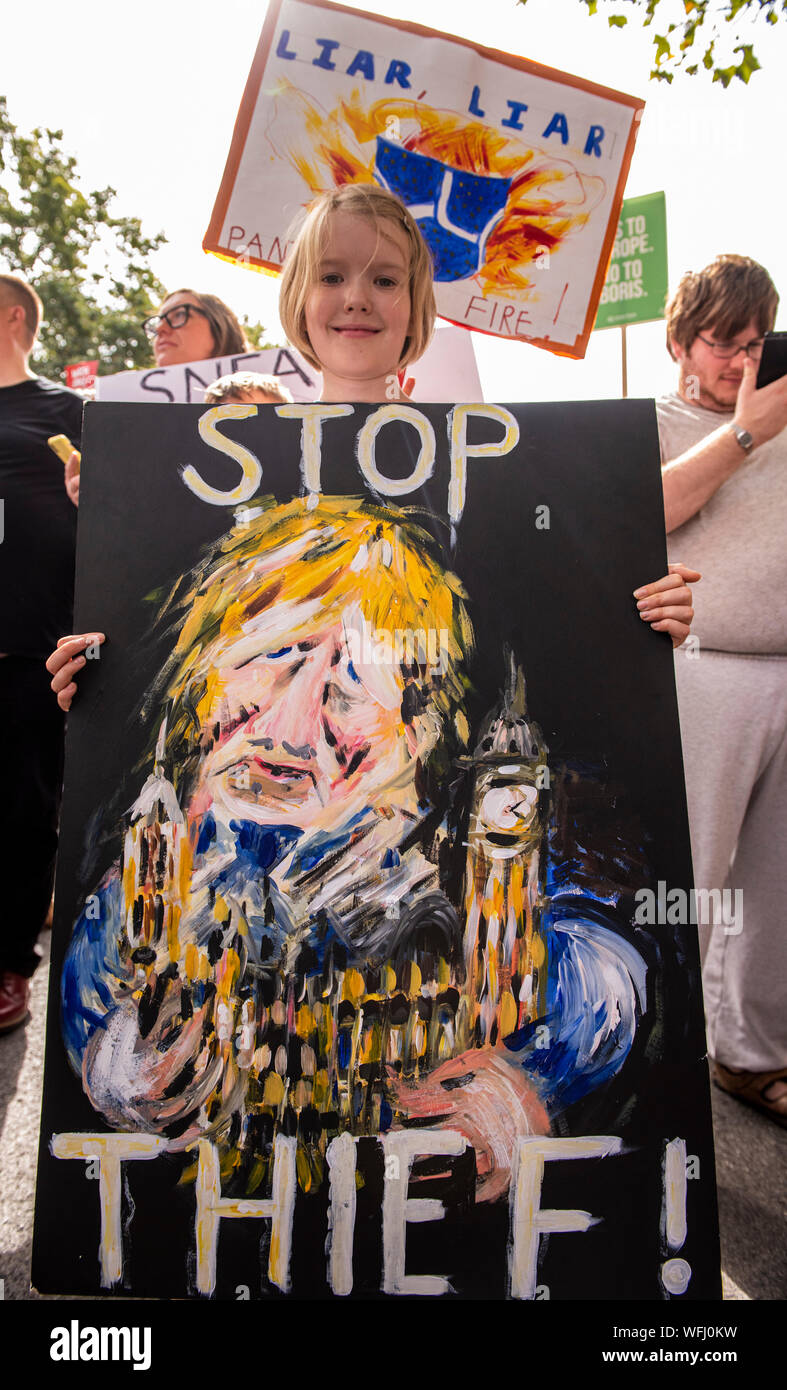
column 174, row 318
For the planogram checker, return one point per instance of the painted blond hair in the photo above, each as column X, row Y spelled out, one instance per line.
column 301, row 268
column 293, row 572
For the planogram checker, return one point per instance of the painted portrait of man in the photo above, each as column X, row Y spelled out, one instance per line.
column 329, row 913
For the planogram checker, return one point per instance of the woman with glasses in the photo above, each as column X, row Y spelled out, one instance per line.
column 191, row 327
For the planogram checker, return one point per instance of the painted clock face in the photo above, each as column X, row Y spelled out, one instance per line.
column 506, row 816
column 510, row 807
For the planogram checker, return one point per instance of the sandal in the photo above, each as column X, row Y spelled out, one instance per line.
column 752, row 1087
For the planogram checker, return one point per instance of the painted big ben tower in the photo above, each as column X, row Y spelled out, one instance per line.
column 505, row 946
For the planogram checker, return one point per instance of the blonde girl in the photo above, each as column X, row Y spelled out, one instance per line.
column 357, row 299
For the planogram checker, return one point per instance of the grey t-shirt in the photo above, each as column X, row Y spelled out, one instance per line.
column 738, row 539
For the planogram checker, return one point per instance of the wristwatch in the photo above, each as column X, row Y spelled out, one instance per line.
column 743, row 437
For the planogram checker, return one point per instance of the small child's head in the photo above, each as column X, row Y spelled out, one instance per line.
column 302, row 268
column 247, row 387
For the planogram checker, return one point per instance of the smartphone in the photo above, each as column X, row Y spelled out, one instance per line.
column 773, row 362
column 61, row 445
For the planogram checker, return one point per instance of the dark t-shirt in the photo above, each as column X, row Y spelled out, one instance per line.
column 39, row 539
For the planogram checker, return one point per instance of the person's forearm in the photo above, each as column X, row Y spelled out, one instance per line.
column 690, row 480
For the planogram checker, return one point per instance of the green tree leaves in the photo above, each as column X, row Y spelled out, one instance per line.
column 90, row 268
column 713, row 21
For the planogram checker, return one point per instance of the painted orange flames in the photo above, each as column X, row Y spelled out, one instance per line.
column 549, row 200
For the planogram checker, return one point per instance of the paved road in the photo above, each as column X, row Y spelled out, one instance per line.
column 751, row 1165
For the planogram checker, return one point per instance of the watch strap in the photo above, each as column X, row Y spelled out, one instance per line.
column 743, row 437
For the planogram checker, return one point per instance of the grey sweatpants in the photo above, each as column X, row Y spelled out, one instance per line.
column 733, row 714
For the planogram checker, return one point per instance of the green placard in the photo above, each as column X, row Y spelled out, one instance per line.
column 635, row 290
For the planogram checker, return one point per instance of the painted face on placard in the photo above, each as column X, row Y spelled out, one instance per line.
column 190, row 341
column 358, row 313
column 300, row 737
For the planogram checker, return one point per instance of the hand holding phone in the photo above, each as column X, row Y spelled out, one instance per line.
column 761, row 408
column 773, row 363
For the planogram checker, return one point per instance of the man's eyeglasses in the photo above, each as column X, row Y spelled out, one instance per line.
column 729, row 350
column 174, row 318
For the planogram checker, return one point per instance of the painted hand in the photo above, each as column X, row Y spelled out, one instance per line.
column 667, row 604
column 484, row 1097
column 152, row 1065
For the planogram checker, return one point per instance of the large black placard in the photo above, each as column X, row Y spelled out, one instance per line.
column 363, row 979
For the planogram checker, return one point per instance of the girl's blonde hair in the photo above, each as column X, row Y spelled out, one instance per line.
column 302, row 265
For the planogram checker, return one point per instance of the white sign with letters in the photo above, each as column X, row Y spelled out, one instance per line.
column 186, row 383
column 446, row 372
column 514, row 172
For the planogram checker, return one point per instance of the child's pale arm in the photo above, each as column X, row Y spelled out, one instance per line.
column 72, row 477
column 65, row 661
column 667, row 604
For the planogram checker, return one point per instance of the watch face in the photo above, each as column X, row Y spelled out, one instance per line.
column 743, row 437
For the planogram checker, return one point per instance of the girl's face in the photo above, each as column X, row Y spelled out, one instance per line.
column 190, row 341
column 358, row 312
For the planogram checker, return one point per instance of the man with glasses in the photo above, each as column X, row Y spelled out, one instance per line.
column 724, row 451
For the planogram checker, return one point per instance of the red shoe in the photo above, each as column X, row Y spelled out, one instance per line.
column 14, row 995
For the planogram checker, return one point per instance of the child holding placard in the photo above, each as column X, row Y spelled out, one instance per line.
column 357, row 300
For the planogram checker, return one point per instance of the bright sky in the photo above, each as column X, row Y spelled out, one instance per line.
column 147, row 95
